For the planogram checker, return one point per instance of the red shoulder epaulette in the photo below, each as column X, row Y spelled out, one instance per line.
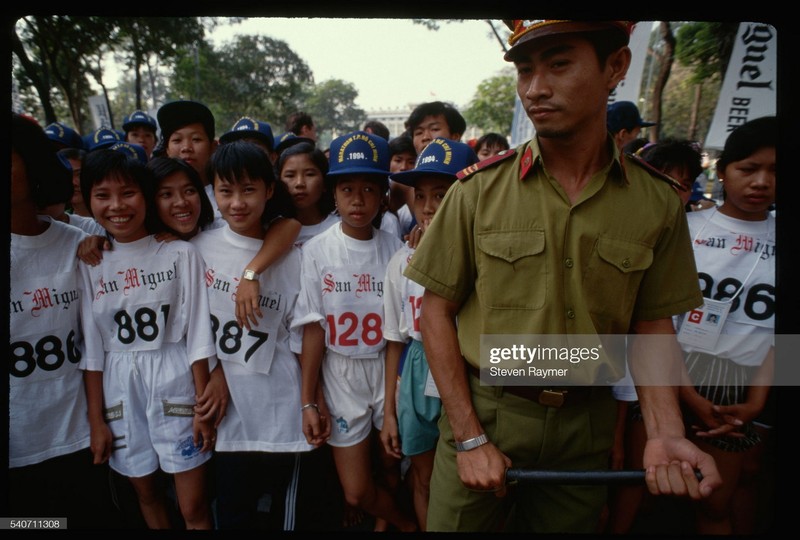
column 655, row 172
column 465, row 173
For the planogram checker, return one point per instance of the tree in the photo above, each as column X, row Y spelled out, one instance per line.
column 32, row 75
column 492, row 107
column 123, row 97
column 251, row 76
column 684, row 116
column 162, row 37
column 663, row 55
column 332, row 105
column 54, row 52
column 64, row 53
column 704, row 47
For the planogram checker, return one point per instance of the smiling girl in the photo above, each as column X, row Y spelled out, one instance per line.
column 180, row 200
column 258, row 440
column 145, row 319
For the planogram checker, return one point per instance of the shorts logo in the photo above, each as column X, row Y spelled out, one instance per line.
column 177, row 409
column 342, row 425
column 187, row 448
column 113, row 413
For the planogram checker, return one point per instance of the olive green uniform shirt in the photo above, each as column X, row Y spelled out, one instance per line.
column 507, row 245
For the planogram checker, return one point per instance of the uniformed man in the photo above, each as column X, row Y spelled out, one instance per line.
column 561, row 235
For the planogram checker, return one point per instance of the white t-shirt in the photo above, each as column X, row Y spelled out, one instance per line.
column 142, row 295
column 87, row 224
column 402, row 302
column 342, row 288
column 262, row 373
column 310, row 231
column 210, row 193
column 46, row 400
column 218, row 223
column 624, row 389
column 406, row 218
column 731, row 254
column 391, row 224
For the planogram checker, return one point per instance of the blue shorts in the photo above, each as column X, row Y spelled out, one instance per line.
column 417, row 414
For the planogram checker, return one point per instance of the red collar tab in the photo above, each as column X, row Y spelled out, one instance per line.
column 526, row 163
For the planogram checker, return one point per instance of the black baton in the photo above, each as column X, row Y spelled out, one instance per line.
column 514, row 476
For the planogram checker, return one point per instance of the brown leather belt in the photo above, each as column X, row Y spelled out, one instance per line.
column 549, row 397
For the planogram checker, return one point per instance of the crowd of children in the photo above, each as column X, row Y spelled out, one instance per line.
column 232, row 315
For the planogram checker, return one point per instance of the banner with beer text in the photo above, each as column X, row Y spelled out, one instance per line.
column 749, row 88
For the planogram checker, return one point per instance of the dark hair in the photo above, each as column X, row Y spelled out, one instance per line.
column 178, row 114
column 164, row 167
column 104, row 164
column 635, row 145
column 454, row 120
column 49, row 179
column 402, row 144
column 491, row 139
column 671, row 153
column 746, row 139
column 233, row 161
column 325, row 203
column 297, row 120
column 378, row 128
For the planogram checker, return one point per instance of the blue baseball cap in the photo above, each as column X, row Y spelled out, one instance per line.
column 624, row 115
column 101, row 138
column 132, row 150
column 442, row 157
column 249, row 128
column 285, row 140
column 139, row 118
column 63, row 136
column 359, row 153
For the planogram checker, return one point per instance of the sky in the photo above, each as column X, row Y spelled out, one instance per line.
column 391, row 62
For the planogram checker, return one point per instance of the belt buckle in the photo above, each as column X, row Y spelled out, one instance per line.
column 552, row 398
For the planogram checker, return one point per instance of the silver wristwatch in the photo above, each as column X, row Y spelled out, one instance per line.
column 250, row 275
column 469, row 444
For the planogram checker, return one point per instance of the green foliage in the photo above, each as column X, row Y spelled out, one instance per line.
column 705, row 47
column 65, row 53
column 57, row 58
column 492, row 107
column 332, row 105
column 251, row 76
column 56, row 53
column 160, row 36
column 679, row 96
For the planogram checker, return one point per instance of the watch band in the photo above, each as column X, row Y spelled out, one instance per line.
column 469, row 444
column 250, row 275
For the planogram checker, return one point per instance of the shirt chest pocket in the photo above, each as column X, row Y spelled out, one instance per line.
column 512, row 270
column 615, row 271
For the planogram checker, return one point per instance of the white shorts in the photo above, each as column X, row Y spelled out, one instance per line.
column 149, row 399
column 354, row 390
